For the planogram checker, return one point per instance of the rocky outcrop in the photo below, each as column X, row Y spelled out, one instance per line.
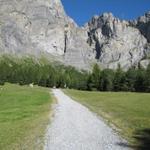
column 41, row 27
column 38, row 27
column 115, row 41
column 143, row 24
column 29, row 24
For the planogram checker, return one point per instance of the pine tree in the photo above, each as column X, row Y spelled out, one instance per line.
column 96, row 73
column 147, row 79
column 130, row 79
column 106, row 80
column 119, row 79
column 140, row 80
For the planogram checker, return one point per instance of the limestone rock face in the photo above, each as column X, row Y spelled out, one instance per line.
column 77, row 48
column 115, row 41
column 143, row 24
column 32, row 24
column 41, row 27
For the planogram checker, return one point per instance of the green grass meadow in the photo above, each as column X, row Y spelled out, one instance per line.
column 129, row 112
column 24, row 115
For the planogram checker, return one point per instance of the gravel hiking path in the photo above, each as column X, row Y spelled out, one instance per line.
column 74, row 127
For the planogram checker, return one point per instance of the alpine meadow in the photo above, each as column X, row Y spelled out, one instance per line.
column 74, row 80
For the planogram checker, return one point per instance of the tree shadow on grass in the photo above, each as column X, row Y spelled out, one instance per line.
column 142, row 140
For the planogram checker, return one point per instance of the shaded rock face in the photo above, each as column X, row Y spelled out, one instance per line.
column 143, row 24
column 41, row 27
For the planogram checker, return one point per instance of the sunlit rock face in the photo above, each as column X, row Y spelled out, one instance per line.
column 115, row 41
column 41, row 27
column 32, row 24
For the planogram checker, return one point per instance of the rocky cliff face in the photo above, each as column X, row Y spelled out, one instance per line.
column 116, row 42
column 32, row 24
column 41, row 27
column 143, row 24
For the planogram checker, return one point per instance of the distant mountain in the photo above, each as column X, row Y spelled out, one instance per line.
column 41, row 27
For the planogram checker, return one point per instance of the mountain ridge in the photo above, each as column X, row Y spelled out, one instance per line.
column 42, row 27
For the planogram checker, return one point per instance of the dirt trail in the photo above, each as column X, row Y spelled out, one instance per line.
column 74, row 127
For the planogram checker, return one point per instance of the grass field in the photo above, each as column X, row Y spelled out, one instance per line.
column 129, row 112
column 24, row 115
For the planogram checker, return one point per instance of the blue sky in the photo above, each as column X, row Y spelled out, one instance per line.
column 82, row 10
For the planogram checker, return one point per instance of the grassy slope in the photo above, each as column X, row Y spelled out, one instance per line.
column 24, row 114
column 130, row 112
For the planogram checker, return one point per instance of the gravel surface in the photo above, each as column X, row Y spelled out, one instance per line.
column 74, row 127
